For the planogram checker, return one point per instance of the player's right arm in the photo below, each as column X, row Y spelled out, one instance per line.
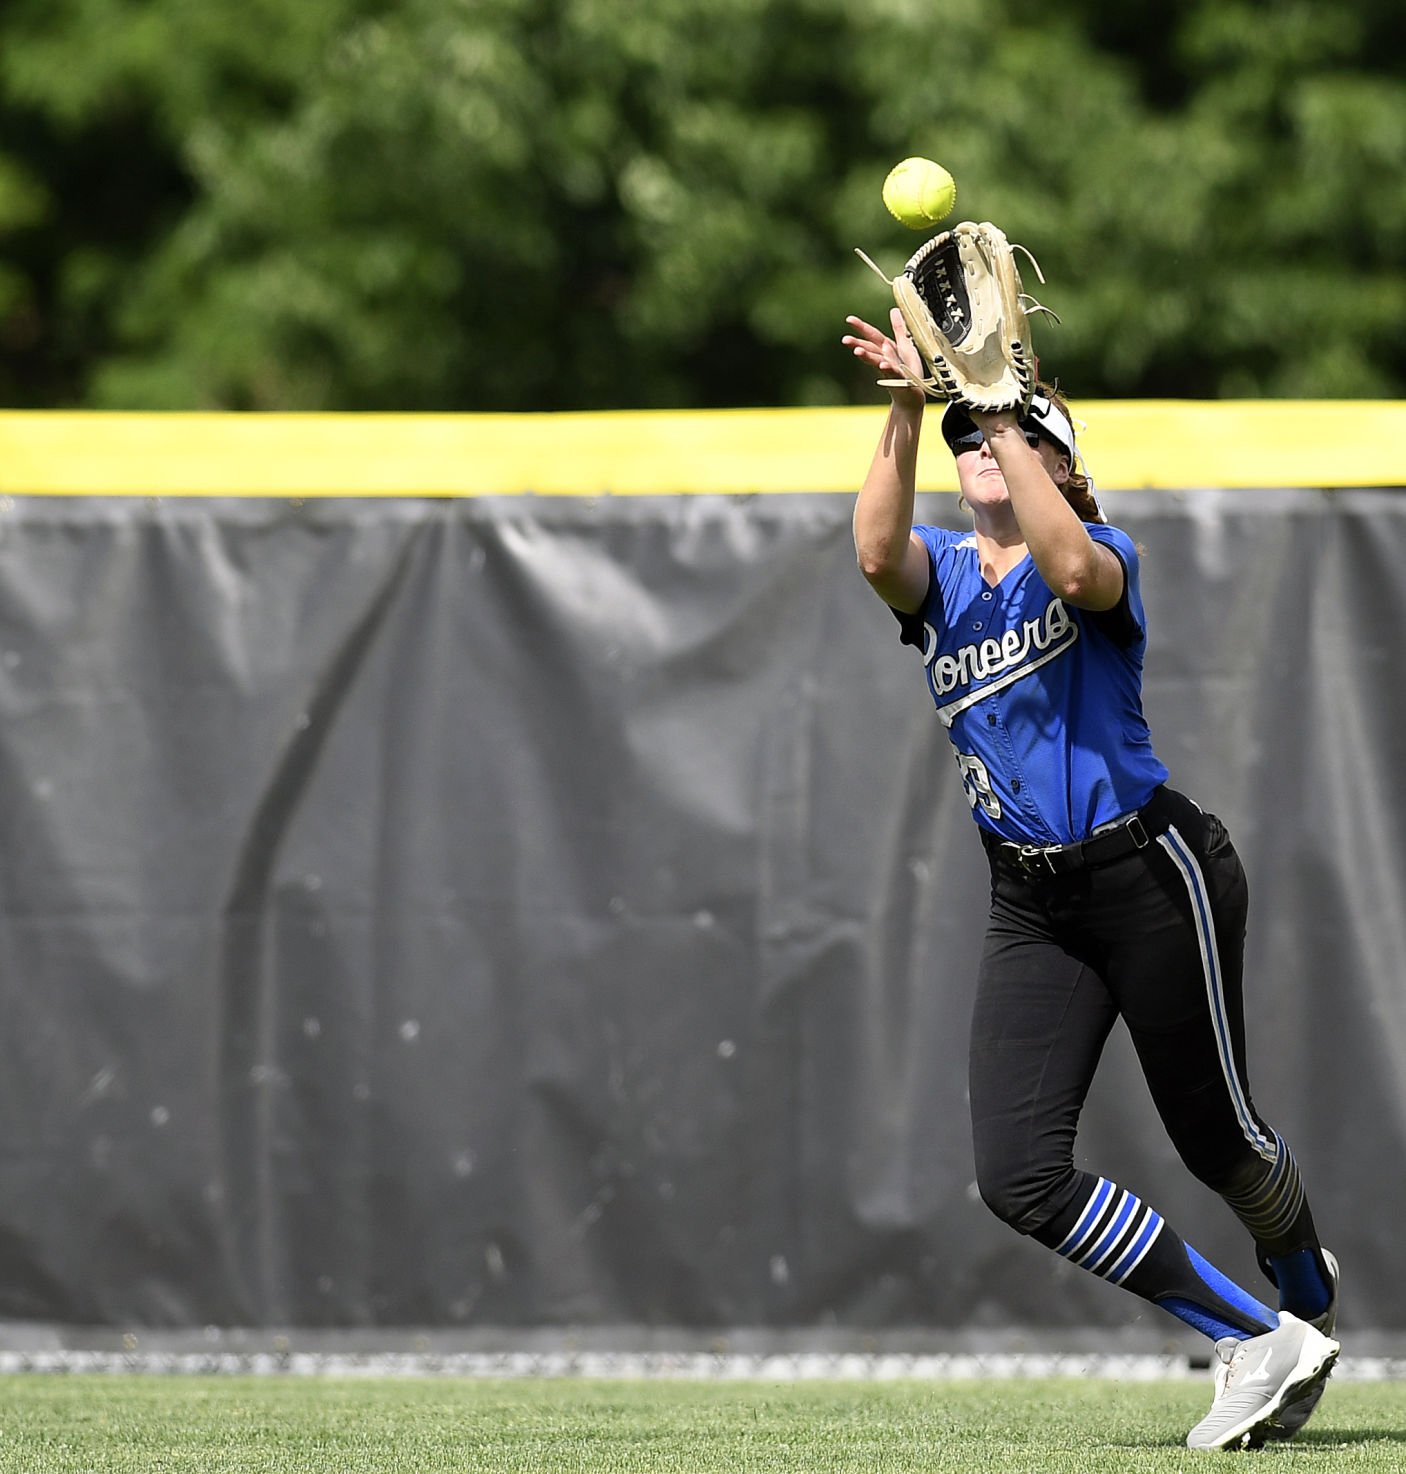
column 892, row 559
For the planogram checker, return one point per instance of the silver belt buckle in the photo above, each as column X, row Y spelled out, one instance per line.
column 1031, row 853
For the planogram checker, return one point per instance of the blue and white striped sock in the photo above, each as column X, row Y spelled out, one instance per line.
column 1112, row 1233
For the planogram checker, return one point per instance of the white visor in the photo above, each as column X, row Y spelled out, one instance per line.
column 1052, row 424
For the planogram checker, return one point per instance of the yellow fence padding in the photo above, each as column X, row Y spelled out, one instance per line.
column 1128, row 445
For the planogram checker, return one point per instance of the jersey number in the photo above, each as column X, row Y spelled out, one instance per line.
column 977, row 781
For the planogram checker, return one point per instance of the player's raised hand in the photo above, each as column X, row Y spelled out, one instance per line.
column 893, row 357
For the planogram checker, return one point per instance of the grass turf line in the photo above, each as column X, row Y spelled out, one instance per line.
column 232, row 1425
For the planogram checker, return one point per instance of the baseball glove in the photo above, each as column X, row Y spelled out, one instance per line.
column 962, row 301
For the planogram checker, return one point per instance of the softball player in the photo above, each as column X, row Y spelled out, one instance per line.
column 1112, row 895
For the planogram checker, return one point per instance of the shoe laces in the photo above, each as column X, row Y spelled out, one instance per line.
column 1230, row 1356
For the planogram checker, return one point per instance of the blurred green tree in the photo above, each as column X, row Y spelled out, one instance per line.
column 559, row 204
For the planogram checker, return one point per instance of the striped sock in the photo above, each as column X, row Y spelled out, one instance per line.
column 1112, row 1233
column 1271, row 1207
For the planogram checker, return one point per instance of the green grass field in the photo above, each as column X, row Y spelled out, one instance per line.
column 229, row 1425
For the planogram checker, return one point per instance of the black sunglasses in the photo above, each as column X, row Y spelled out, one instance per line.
column 974, row 440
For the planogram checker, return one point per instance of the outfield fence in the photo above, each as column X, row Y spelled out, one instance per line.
column 526, row 911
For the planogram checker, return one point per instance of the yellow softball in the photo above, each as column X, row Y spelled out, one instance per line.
column 919, row 193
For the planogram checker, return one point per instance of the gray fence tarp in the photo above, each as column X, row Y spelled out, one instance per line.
column 529, row 912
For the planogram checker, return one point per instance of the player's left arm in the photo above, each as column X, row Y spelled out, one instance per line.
column 1079, row 570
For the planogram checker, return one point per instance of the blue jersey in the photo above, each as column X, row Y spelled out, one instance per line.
column 1042, row 701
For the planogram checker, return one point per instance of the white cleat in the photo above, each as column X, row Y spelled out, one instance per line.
column 1258, row 1379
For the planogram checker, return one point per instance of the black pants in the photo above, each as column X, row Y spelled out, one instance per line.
column 1154, row 938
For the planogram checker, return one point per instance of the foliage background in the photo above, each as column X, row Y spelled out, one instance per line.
column 575, row 204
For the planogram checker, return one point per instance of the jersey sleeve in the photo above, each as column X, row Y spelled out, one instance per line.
column 1126, row 623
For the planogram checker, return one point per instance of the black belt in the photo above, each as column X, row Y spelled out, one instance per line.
column 1131, row 834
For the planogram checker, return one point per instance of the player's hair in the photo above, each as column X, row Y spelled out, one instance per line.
column 1076, row 489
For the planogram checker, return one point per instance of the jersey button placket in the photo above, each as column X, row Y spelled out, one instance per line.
column 1019, row 790
column 1001, row 737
